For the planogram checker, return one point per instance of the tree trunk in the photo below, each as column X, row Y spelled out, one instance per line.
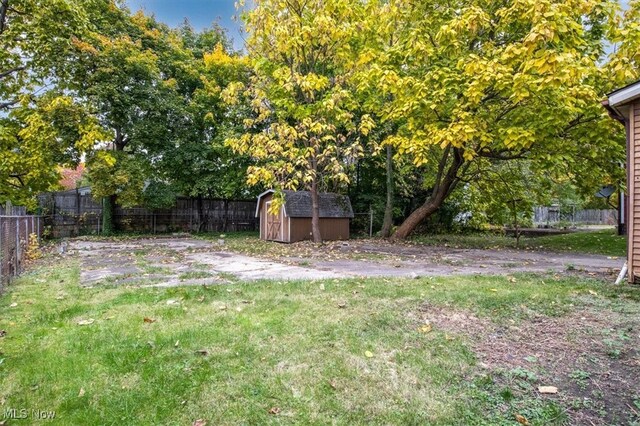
column 108, row 208
column 416, row 218
column 444, row 185
column 225, row 218
column 110, row 202
column 387, row 222
column 315, row 213
column 515, row 223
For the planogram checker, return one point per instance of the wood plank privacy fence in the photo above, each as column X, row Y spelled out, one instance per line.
column 15, row 228
column 72, row 213
column 555, row 215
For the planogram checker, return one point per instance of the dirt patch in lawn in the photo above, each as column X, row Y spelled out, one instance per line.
column 591, row 355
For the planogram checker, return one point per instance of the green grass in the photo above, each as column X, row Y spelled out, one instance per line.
column 604, row 242
column 248, row 242
column 194, row 275
column 231, row 353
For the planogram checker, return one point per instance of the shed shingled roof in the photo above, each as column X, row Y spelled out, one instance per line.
column 298, row 204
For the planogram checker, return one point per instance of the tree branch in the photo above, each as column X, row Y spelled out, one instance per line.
column 19, row 177
column 502, row 155
column 3, row 74
column 4, row 6
column 6, row 105
column 441, row 165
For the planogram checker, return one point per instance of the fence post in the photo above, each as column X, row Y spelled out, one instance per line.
column 370, row 221
column 17, row 265
column 1, row 252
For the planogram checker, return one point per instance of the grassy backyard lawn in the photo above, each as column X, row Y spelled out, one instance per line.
column 605, row 242
column 439, row 351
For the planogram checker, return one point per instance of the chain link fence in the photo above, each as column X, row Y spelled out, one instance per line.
column 15, row 229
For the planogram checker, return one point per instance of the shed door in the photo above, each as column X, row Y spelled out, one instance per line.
column 274, row 224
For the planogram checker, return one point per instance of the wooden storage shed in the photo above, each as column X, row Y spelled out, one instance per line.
column 293, row 221
column 624, row 106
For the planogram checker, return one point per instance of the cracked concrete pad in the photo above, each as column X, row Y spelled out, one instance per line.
column 168, row 262
column 249, row 268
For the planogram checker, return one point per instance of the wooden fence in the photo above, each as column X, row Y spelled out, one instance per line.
column 555, row 215
column 15, row 228
column 72, row 213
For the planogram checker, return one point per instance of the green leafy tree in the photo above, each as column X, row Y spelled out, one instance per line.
column 37, row 137
column 497, row 81
column 303, row 131
column 200, row 165
column 127, row 71
column 41, row 127
column 34, row 41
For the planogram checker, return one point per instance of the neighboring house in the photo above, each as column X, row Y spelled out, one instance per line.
column 624, row 106
column 292, row 223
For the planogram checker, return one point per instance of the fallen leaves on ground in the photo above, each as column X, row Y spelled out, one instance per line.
column 426, row 328
column 547, row 389
column 368, row 354
column 86, row 322
column 149, row 320
column 274, row 410
column 81, row 393
column 202, row 352
column 522, row 420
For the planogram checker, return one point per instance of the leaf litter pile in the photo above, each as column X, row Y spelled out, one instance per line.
column 588, row 361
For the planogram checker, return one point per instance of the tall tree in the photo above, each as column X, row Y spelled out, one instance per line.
column 40, row 126
column 304, row 132
column 200, row 164
column 496, row 81
column 128, row 70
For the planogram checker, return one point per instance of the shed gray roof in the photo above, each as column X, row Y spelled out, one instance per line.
column 298, row 204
